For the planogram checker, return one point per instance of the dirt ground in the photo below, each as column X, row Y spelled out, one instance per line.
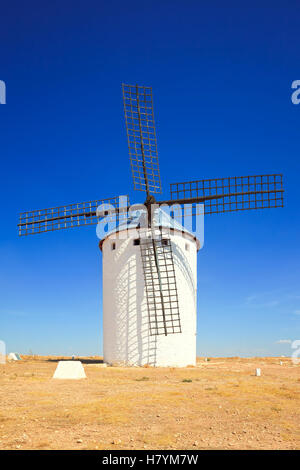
column 220, row 404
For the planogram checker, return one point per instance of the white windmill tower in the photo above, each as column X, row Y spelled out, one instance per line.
column 149, row 293
column 150, row 269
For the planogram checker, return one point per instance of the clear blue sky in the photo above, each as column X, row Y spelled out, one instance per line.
column 221, row 74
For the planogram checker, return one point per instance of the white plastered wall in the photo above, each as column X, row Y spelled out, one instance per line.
column 126, row 337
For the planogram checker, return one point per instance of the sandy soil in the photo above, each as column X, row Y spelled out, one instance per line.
column 220, row 404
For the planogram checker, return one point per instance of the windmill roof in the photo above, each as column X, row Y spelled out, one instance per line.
column 137, row 219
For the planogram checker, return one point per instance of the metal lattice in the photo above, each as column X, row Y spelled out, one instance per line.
column 142, row 145
column 160, row 283
column 71, row 215
column 229, row 194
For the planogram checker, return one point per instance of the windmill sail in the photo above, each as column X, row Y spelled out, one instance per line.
column 228, row 194
column 160, row 284
column 142, row 145
column 71, row 215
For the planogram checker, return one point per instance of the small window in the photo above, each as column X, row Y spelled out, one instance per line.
column 136, row 241
column 187, row 247
column 113, row 246
column 165, row 241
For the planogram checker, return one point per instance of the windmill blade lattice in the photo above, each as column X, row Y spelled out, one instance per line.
column 160, row 283
column 141, row 135
column 227, row 194
column 71, row 215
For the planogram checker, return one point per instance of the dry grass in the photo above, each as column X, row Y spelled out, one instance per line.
column 219, row 404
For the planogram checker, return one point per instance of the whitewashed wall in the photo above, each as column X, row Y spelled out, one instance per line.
column 126, row 338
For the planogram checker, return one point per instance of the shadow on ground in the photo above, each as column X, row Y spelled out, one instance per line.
column 82, row 360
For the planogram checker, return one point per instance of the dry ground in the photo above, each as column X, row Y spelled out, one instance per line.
column 219, row 404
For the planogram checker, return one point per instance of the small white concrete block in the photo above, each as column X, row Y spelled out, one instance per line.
column 258, row 372
column 69, row 370
column 13, row 357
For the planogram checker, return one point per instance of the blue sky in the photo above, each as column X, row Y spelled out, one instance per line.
column 221, row 75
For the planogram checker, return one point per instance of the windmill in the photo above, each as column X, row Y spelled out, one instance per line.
column 150, row 273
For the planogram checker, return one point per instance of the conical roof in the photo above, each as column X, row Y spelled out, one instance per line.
column 138, row 218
